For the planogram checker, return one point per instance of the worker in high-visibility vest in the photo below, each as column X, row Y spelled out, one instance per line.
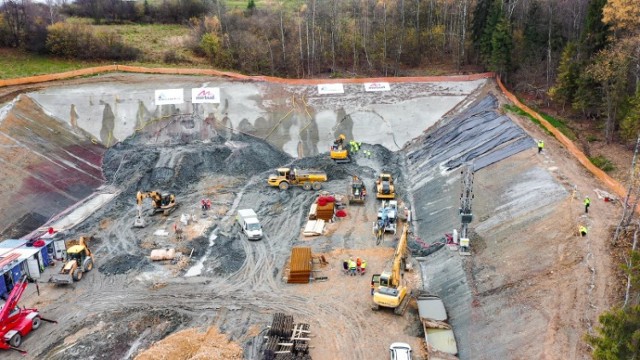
column 583, row 230
column 587, row 202
column 352, row 267
column 540, row 146
column 363, row 267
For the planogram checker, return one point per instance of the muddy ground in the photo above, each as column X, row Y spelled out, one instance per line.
column 130, row 302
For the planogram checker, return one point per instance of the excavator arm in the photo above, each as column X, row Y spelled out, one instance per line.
column 398, row 257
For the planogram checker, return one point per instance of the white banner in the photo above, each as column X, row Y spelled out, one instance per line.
column 205, row 95
column 169, row 96
column 330, row 89
column 377, row 86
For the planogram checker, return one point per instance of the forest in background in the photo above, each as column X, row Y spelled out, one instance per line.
column 581, row 57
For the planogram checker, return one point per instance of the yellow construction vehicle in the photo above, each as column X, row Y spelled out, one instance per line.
column 384, row 186
column 79, row 260
column 388, row 290
column 339, row 152
column 357, row 191
column 164, row 203
column 308, row 179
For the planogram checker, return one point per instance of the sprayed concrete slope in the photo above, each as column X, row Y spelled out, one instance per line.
column 295, row 119
column 54, row 125
column 47, row 167
column 509, row 198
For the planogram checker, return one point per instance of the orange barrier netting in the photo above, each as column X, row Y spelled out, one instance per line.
column 613, row 184
column 232, row 75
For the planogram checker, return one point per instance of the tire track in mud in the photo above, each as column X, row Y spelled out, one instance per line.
column 255, row 288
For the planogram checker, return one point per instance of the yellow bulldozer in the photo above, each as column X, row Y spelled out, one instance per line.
column 339, row 151
column 389, row 292
column 384, row 187
column 79, row 260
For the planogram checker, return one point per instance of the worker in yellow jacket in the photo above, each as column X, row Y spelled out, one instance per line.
column 352, row 267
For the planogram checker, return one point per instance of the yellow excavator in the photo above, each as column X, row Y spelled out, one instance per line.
column 79, row 260
column 389, row 292
column 161, row 202
column 339, row 151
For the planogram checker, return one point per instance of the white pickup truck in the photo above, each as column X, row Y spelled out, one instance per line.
column 249, row 223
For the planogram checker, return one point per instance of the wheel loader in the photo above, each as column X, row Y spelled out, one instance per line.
column 79, row 260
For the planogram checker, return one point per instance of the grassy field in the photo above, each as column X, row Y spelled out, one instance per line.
column 153, row 40
column 14, row 64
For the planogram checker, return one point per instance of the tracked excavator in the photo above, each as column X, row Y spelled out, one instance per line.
column 161, row 202
column 389, row 291
column 339, row 151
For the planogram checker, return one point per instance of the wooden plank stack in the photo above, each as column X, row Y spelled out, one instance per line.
column 301, row 265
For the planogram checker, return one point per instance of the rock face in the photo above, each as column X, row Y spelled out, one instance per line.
column 47, row 167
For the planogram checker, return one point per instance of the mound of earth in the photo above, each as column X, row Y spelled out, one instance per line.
column 192, row 344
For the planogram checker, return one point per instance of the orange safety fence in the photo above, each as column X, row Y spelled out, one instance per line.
column 613, row 184
column 232, row 75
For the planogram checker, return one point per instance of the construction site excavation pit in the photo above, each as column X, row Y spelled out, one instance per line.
column 109, row 137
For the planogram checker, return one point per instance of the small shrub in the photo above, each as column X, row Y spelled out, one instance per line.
column 592, row 138
column 82, row 42
column 602, row 163
column 173, row 57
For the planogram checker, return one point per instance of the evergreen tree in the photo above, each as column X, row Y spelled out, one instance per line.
column 630, row 125
column 587, row 96
column 479, row 21
column 618, row 336
column 501, row 46
column 594, row 36
column 251, row 5
column 568, row 74
column 486, row 40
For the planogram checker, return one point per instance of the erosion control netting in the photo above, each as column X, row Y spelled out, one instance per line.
column 478, row 134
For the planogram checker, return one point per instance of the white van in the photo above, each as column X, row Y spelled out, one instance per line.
column 248, row 221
